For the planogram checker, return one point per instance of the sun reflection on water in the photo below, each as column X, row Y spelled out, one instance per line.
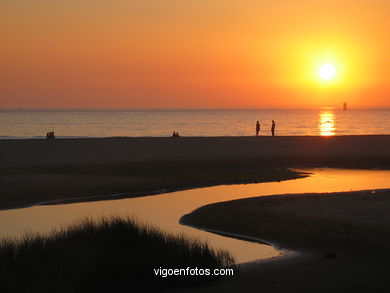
column 326, row 124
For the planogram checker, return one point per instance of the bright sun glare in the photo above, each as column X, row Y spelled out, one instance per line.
column 327, row 71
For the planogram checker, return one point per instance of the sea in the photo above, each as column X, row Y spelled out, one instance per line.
column 17, row 124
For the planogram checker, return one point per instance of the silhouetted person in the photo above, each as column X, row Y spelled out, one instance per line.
column 174, row 134
column 257, row 128
column 177, row 134
column 50, row 135
column 273, row 128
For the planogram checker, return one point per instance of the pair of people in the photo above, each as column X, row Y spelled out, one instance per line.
column 272, row 128
column 50, row 135
column 175, row 134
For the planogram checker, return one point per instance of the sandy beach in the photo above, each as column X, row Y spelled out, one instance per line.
column 316, row 223
column 349, row 151
column 333, row 233
column 182, row 114
column 38, row 170
column 340, row 241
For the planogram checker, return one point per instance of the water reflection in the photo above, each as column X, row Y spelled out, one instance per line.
column 165, row 210
column 327, row 124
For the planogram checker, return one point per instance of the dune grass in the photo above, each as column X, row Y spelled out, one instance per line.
column 110, row 255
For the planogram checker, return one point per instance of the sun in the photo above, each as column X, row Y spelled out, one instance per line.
column 327, row 71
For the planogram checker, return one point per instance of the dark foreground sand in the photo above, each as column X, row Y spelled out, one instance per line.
column 342, row 241
column 288, row 150
column 34, row 171
column 352, row 227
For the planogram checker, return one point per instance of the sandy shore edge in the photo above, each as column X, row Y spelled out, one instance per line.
column 309, row 266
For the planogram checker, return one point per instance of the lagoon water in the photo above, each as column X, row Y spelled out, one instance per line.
column 105, row 123
column 165, row 210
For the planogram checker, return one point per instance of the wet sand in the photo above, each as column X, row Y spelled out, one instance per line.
column 33, row 171
column 37, row 170
column 341, row 240
column 306, row 274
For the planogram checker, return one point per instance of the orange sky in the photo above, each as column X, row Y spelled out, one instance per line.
column 193, row 54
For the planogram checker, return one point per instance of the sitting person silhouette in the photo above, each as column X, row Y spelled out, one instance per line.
column 50, row 135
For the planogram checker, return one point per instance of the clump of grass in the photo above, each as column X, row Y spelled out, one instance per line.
column 110, row 255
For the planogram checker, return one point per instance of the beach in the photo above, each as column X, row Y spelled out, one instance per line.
column 345, row 222
column 337, row 242
column 60, row 170
column 247, row 136
column 359, row 151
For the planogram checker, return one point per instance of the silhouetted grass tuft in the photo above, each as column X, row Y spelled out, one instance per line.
column 110, row 255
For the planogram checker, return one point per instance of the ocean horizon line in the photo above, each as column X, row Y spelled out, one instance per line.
column 186, row 109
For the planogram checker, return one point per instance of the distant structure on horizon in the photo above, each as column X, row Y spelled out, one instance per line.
column 344, row 106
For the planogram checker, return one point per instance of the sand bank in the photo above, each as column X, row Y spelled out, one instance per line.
column 342, row 240
column 36, row 170
column 317, row 223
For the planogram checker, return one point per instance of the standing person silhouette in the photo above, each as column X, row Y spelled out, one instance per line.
column 257, row 128
column 273, row 128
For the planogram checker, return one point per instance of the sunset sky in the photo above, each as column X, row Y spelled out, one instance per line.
column 193, row 54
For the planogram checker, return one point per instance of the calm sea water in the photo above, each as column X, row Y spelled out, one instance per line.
column 35, row 124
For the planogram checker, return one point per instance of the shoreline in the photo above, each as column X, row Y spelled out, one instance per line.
column 299, row 175
column 347, row 235
column 309, row 222
column 69, row 170
column 43, row 137
column 191, row 218
column 265, row 175
column 59, row 170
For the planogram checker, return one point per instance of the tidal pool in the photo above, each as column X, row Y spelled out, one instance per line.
column 165, row 210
